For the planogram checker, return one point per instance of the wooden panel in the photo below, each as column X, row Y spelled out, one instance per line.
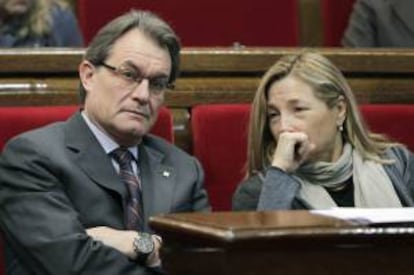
column 383, row 90
column 257, row 60
column 311, row 34
column 54, row 92
column 51, row 61
column 208, row 75
column 214, row 61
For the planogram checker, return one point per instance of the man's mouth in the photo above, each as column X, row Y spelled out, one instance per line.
column 139, row 113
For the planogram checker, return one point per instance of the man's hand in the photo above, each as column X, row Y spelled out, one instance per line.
column 154, row 258
column 122, row 240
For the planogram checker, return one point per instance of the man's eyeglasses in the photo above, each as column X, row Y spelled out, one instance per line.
column 133, row 78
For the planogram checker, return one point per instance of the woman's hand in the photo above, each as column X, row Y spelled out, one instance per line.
column 293, row 148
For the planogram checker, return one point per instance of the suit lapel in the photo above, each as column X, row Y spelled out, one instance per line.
column 90, row 156
column 157, row 181
column 404, row 10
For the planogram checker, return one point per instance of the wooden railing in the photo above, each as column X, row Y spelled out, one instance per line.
column 208, row 75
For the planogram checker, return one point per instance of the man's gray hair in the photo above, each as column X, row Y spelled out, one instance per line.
column 146, row 21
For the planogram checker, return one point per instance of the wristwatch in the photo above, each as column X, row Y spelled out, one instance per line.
column 143, row 246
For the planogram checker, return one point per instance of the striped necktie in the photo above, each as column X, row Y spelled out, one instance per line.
column 133, row 215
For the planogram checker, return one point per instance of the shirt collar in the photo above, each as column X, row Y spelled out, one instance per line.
column 107, row 143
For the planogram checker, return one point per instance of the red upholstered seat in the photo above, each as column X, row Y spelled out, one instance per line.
column 17, row 119
column 163, row 127
column 219, row 142
column 207, row 22
column 393, row 120
column 335, row 15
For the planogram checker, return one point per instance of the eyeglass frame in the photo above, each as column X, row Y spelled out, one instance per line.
column 138, row 79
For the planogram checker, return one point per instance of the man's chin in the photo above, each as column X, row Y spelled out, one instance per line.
column 135, row 129
column 131, row 137
column 138, row 132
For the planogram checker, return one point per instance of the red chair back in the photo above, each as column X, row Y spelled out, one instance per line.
column 220, row 142
column 17, row 119
column 164, row 126
column 207, row 22
column 335, row 15
column 393, row 120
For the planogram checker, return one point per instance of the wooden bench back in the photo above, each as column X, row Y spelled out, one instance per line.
column 208, row 75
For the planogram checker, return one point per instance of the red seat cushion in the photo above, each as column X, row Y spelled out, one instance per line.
column 219, row 142
column 17, row 119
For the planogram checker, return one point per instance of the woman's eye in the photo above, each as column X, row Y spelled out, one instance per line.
column 300, row 109
column 272, row 115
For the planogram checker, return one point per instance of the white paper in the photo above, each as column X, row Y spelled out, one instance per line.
column 370, row 215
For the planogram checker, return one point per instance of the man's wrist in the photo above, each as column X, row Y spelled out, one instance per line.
column 143, row 245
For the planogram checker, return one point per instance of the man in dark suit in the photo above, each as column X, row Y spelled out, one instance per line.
column 66, row 203
column 380, row 23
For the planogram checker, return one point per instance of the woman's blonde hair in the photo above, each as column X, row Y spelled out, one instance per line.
column 329, row 85
column 38, row 21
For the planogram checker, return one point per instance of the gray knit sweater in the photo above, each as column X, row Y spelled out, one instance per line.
column 276, row 189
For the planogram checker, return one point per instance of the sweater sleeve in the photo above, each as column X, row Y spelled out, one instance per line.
column 274, row 189
column 279, row 190
column 402, row 173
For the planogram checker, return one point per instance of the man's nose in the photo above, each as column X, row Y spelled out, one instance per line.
column 142, row 92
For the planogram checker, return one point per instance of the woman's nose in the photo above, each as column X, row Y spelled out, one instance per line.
column 286, row 123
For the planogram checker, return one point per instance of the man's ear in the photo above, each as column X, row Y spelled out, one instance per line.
column 342, row 110
column 86, row 73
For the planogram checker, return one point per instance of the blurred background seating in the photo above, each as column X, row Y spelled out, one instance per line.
column 207, row 22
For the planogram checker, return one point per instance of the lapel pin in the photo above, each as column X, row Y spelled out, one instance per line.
column 166, row 174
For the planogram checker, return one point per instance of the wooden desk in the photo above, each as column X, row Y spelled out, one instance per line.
column 280, row 242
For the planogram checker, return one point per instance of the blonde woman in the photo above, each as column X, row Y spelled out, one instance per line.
column 308, row 147
column 38, row 23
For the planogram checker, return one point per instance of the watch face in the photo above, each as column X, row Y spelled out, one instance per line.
column 144, row 243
